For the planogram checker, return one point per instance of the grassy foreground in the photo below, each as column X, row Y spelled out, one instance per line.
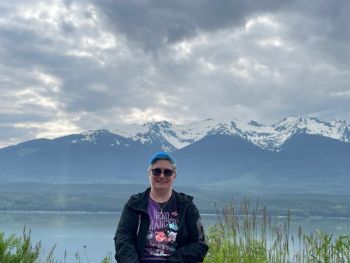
column 244, row 234
column 248, row 235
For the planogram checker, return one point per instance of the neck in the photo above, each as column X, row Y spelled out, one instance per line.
column 161, row 196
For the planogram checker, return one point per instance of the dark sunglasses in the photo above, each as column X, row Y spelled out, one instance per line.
column 166, row 172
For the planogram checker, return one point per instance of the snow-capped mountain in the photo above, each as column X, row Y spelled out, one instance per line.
column 297, row 152
column 173, row 137
column 272, row 137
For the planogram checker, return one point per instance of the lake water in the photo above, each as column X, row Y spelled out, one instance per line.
column 90, row 235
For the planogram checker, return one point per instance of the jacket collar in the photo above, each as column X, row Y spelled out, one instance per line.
column 140, row 201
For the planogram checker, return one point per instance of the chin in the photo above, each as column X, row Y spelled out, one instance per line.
column 161, row 186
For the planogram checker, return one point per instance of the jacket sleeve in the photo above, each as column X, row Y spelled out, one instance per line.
column 196, row 248
column 125, row 237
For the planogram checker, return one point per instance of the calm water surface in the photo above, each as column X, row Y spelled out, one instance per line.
column 90, row 235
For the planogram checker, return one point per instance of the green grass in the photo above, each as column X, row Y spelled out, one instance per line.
column 243, row 234
column 250, row 235
column 15, row 249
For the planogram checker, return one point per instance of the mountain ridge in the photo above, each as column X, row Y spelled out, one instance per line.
column 269, row 137
column 213, row 153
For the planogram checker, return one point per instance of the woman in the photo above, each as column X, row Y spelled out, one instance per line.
column 160, row 224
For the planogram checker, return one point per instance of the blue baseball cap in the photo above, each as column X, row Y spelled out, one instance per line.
column 161, row 156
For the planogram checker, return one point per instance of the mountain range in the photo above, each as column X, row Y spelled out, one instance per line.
column 295, row 154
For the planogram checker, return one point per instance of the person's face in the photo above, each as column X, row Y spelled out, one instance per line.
column 161, row 182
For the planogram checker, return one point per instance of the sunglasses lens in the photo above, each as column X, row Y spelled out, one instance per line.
column 168, row 172
column 156, row 171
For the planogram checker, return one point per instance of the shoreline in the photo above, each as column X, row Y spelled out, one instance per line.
column 116, row 213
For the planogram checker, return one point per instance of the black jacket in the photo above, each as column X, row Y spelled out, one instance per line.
column 130, row 237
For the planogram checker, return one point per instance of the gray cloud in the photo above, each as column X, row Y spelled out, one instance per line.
column 82, row 65
column 157, row 23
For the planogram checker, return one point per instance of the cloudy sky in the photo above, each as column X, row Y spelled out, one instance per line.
column 68, row 66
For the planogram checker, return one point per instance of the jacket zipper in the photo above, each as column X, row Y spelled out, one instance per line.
column 138, row 226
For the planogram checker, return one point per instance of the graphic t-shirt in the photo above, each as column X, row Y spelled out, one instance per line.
column 161, row 237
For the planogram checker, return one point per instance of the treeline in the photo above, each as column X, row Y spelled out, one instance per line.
column 112, row 197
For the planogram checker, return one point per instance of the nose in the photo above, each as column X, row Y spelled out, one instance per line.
column 162, row 174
